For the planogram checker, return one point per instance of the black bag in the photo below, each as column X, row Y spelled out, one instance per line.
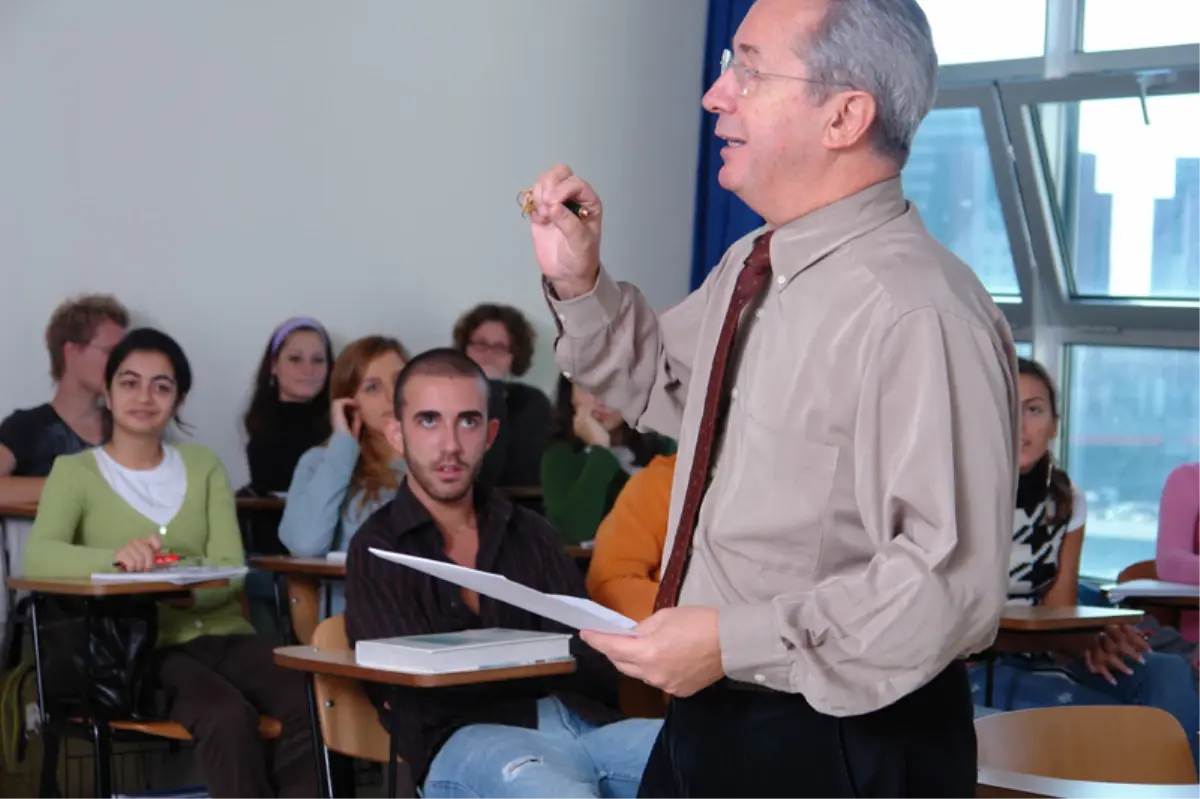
column 100, row 662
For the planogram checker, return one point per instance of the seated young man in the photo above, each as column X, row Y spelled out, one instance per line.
column 79, row 337
column 555, row 737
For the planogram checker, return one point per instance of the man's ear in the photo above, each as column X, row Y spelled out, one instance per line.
column 395, row 436
column 493, row 428
column 853, row 114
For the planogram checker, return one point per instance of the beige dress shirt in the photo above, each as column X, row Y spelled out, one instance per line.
column 856, row 533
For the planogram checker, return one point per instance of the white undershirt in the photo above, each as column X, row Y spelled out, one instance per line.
column 155, row 493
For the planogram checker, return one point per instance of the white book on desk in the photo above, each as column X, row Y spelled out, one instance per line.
column 1150, row 588
column 468, row 650
column 178, row 575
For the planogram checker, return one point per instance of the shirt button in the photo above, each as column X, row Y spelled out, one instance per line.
column 199, row 624
column 562, row 317
column 760, row 678
column 567, row 375
column 733, row 393
column 758, row 314
column 781, row 279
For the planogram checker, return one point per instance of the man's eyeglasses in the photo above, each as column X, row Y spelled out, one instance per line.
column 747, row 78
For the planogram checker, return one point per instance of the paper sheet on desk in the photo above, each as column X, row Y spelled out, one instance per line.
column 582, row 614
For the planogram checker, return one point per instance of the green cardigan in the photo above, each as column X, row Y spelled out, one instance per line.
column 580, row 485
column 81, row 523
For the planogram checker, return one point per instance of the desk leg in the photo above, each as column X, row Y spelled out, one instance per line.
column 281, row 621
column 48, row 780
column 320, row 753
column 102, row 737
column 393, row 769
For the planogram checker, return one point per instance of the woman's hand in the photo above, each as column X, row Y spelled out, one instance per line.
column 590, row 430
column 138, row 554
column 344, row 417
column 1112, row 647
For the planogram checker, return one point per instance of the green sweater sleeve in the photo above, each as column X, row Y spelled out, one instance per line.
column 575, row 488
column 51, row 550
column 224, row 544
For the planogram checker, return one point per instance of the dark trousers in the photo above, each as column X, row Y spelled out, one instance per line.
column 743, row 741
column 217, row 686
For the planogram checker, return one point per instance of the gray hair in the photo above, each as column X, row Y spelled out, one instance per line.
column 884, row 48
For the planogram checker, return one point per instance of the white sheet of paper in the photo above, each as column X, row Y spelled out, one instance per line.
column 576, row 612
column 179, row 575
column 1150, row 588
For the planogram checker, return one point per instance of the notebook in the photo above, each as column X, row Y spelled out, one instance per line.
column 1150, row 588
column 177, row 575
column 468, row 650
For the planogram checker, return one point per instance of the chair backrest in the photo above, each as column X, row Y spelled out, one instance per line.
column 1113, row 743
column 304, row 605
column 1142, row 570
column 349, row 722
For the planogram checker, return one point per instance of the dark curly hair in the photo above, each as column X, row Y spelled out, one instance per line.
column 520, row 333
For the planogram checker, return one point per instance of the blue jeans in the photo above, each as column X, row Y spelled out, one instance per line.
column 1164, row 682
column 565, row 756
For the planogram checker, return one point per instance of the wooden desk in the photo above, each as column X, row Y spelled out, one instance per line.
column 303, row 582
column 89, row 591
column 84, row 586
column 20, row 511
column 993, row 782
column 341, row 663
column 1032, row 628
column 260, row 503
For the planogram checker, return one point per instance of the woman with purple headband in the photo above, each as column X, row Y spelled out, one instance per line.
column 289, row 413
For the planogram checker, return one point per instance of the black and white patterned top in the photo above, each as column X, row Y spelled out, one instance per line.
column 1033, row 565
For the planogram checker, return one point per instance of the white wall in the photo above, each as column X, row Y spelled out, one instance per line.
column 223, row 165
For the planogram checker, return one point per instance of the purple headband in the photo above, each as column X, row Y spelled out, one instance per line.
column 291, row 326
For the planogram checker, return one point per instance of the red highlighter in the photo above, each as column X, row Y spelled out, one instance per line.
column 159, row 560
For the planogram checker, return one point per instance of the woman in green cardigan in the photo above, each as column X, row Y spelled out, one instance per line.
column 591, row 454
column 118, row 506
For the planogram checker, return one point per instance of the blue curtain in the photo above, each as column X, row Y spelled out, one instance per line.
column 721, row 218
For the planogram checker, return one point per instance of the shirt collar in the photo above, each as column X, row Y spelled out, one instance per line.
column 493, row 511
column 802, row 242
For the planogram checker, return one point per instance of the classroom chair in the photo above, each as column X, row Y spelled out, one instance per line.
column 1099, row 743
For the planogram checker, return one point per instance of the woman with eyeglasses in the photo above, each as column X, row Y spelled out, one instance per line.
column 500, row 339
column 118, row 507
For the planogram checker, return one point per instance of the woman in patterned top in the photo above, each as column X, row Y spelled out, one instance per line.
column 1115, row 667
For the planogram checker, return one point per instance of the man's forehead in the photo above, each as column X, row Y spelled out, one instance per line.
column 449, row 396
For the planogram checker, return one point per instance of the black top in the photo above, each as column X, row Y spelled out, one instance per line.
column 295, row 428
column 36, row 436
column 385, row 599
column 530, row 419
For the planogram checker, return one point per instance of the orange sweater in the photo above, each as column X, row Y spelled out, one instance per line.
column 629, row 544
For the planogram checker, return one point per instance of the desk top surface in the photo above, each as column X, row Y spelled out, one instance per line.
column 290, row 564
column 1033, row 785
column 1040, row 618
column 83, row 586
column 341, row 663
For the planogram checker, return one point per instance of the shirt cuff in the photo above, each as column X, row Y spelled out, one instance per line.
column 588, row 314
column 752, row 650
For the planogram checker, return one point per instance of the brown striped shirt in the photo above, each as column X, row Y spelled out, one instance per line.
column 385, row 599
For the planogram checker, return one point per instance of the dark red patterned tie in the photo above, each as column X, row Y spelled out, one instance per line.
column 750, row 282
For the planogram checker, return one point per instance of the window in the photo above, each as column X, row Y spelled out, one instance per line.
column 1024, row 349
column 970, row 32
column 949, row 177
column 1132, row 417
column 1128, row 194
column 1113, row 25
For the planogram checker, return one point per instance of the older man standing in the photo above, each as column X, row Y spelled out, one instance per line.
column 844, row 393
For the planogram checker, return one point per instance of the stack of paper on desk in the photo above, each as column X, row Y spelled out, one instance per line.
column 582, row 614
column 178, row 575
column 1150, row 588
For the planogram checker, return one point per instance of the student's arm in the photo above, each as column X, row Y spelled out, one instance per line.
column 1179, row 511
column 224, row 544
column 1064, row 592
column 628, row 554
column 313, row 509
column 575, row 488
column 52, row 550
column 16, row 490
column 8, row 461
